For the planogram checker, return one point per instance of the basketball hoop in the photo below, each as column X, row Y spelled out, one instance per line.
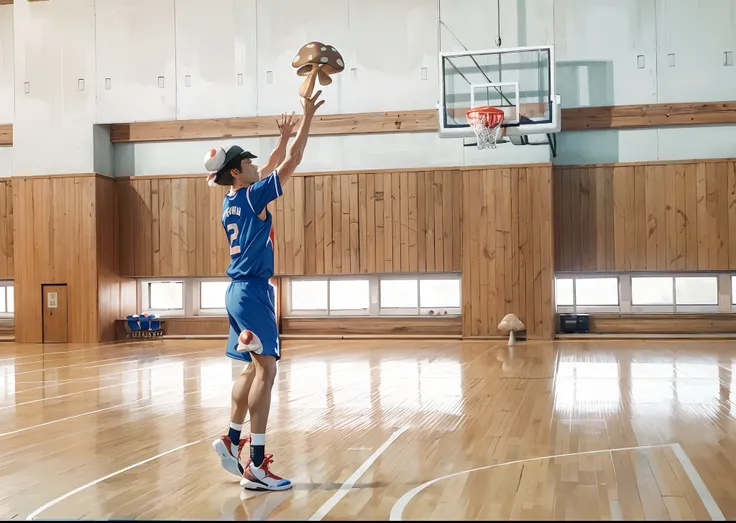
column 486, row 122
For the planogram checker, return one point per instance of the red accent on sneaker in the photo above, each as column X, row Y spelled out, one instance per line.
column 229, row 444
column 268, row 458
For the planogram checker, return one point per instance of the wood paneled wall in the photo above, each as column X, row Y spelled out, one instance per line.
column 116, row 295
column 6, row 229
column 647, row 217
column 363, row 223
column 325, row 224
column 171, row 226
column 448, row 220
column 65, row 233
column 508, row 262
column 55, row 242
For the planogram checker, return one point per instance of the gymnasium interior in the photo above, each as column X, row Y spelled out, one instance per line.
column 545, row 301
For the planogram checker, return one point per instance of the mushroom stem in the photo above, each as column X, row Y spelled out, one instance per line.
column 308, row 85
column 512, row 338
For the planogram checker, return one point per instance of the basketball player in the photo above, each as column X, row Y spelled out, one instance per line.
column 250, row 299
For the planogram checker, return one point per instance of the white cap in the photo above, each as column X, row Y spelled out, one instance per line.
column 214, row 160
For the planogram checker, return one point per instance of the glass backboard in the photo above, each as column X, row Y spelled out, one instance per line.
column 521, row 81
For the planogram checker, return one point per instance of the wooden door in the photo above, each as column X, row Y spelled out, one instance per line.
column 55, row 317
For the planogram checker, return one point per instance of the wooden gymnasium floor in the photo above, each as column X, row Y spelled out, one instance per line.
column 384, row 430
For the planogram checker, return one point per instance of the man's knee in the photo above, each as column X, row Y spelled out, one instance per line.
column 265, row 367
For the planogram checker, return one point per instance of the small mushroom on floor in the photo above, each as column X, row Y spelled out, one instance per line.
column 511, row 323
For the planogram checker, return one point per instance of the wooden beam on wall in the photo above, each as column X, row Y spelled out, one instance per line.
column 576, row 119
column 357, row 123
column 652, row 115
column 6, row 132
column 6, row 2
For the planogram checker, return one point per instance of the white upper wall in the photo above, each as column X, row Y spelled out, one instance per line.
column 6, row 64
column 146, row 60
column 54, row 87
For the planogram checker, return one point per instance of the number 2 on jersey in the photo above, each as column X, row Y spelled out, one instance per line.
column 233, row 227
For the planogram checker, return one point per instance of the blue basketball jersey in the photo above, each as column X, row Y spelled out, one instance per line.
column 251, row 239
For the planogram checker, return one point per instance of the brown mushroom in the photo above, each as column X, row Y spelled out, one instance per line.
column 317, row 60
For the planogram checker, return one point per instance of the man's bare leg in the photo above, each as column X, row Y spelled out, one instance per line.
column 257, row 475
column 230, row 447
column 239, row 403
column 259, row 400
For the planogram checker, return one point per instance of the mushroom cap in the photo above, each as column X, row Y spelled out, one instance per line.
column 318, row 54
column 511, row 323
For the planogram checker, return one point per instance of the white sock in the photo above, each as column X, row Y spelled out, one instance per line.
column 235, row 426
column 258, row 440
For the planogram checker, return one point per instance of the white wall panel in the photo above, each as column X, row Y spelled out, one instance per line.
column 6, row 64
column 136, row 46
column 216, row 69
column 284, row 26
column 392, row 41
column 606, row 146
column 693, row 36
column 598, row 44
column 707, row 141
column 473, row 24
column 54, row 51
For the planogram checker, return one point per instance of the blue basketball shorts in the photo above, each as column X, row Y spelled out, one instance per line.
column 251, row 304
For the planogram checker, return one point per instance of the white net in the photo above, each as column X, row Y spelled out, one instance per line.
column 486, row 123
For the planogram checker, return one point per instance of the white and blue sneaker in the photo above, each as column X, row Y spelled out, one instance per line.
column 260, row 478
column 230, row 454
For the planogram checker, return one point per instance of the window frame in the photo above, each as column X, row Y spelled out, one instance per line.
column 585, row 309
column 6, row 284
column 144, row 297
column 197, row 297
column 724, row 305
column 374, row 289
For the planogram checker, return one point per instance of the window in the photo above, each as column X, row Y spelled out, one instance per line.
column 656, row 290
column 361, row 295
column 696, row 290
column 564, row 291
column 7, row 299
column 596, row 291
column 399, row 294
column 439, row 293
column 586, row 293
column 349, row 295
column 212, row 294
column 166, row 295
column 309, row 295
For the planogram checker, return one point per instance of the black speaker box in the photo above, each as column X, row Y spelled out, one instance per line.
column 574, row 323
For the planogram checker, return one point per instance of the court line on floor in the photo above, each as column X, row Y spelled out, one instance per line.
column 53, row 422
column 53, row 502
column 7, row 357
column 115, row 361
column 148, row 460
column 705, row 496
column 6, row 407
column 397, row 511
column 346, row 487
column 67, row 381
column 74, row 353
